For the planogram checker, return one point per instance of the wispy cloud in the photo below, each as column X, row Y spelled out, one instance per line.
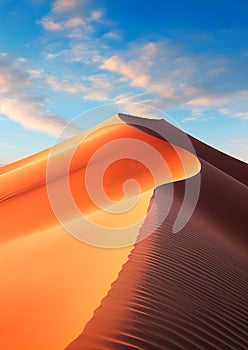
column 208, row 101
column 81, row 57
column 141, row 65
column 95, row 87
column 50, row 24
column 163, row 72
column 190, row 119
column 20, row 103
column 61, row 7
column 71, row 17
column 242, row 115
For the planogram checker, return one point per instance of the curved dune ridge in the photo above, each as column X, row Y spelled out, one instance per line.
column 51, row 283
column 189, row 290
column 169, row 291
column 28, row 176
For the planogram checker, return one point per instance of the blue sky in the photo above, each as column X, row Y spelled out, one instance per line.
column 60, row 58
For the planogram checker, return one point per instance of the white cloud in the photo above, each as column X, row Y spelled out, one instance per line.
column 129, row 70
column 96, row 15
column 50, row 25
column 167, row 75
column 189, row 119
column 74, row 22
column 112, row 35
column 95, row 87
column 61, row 7
column 162, row 71
column 158, row 68
column 145, row 67
column 35, row 73
column 206, row 101
column 73, row 18
column 32, row 116
column 242, row 115
column 63, row 85
column 238, row 110
column 224, row 111
column 19, row 103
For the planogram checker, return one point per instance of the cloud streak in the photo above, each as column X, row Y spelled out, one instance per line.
column 163, row 72
column 19, row 102
column 94, row 88
column 73, row 18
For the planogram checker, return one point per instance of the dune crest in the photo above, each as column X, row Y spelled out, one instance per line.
column 51, row 283
column 189, row 290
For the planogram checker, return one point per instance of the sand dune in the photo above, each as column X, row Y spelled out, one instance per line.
column 189, row 290
column 51, row 283
column 170, row 291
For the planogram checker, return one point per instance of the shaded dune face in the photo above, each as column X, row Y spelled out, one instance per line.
column 189, row 290
column 222, row 204
column 186, row 291
column 223, row 162
column 50, row 282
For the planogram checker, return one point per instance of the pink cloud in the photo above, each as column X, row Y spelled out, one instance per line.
column 206, row 101
column 63, row 6
column 50, row 25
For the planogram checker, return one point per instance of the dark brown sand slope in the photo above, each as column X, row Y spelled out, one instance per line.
column 187, row 290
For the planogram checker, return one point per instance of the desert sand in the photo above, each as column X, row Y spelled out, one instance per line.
column 184, row 290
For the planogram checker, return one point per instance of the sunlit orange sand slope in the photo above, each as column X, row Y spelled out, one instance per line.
column 51, row 283
column 187, row 290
